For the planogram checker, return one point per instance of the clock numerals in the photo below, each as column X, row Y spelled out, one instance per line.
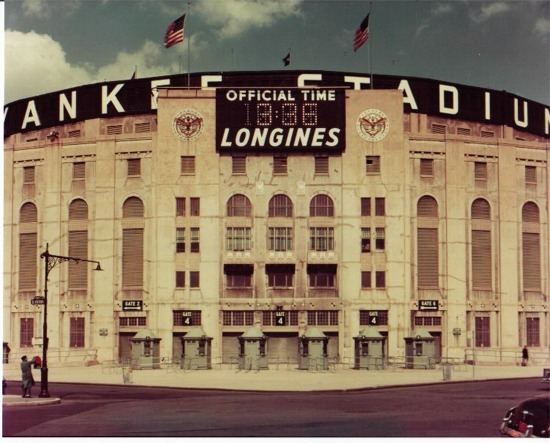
column 281, row 114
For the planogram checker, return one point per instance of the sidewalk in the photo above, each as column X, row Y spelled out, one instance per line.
column 281, row 379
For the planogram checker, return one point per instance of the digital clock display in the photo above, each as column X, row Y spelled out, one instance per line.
column 292, row 120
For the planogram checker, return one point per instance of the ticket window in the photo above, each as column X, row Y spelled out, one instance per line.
column 364, row 348
column 418, row 348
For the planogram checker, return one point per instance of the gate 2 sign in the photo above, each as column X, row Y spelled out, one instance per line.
column 280, row 120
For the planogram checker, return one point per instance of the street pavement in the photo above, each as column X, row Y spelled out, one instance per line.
column 282, row 378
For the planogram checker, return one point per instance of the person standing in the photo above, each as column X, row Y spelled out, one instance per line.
column 524, row 356
column 26, row 375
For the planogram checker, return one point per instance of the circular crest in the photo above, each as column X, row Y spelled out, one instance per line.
column 188, row 125
column 372, row 125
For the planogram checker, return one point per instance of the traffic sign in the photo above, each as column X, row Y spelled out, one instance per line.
column 38, row 301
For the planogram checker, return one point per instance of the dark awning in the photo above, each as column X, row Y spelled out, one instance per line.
column 321, row 268
column 238, row 269
column 283, row 268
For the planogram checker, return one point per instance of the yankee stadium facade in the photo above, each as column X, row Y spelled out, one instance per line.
column 278, row 200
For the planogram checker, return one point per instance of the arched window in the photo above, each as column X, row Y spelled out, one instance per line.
column 280, row 206
column 132, row 245
column 78, row 244
column 481, row 209
column 531, row 247
column 132, row 208
column 428, row 243
column 28, row 213
column 482, row 275
column 239, row 206
column 28, row 247
column 78, row 210
column 321, row 206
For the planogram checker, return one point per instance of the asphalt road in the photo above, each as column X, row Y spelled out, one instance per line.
column 472, row 409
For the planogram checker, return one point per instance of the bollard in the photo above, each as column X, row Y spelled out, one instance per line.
column 446, row 371
column 127, row 375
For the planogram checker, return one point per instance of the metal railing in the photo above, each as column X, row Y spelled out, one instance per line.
column 510, row 357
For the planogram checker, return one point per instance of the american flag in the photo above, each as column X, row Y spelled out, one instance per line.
column 362, row 33
column 174, row 32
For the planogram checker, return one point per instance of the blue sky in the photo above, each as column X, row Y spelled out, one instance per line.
column 56, row 44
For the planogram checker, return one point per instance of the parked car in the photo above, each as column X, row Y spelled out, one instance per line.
column 531, row 418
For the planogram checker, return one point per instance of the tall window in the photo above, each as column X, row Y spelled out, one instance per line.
column 195, row 240
column 239, row 206
column 321, row 164
column 322, row 279
column 280, row 165
column 28, row 248
column 180, row 239
column 533, row 332
column 280, row 276
column 77, row 332
column 28, row 174
column 426, row 167
column 427, row 243
column 79, row 171
column 195, row 206
column 132, row 243
column 531, row 247
column 26, row 332
column 134, row 167
column 483, row 332
column 180, row 206
column 78, row 244
column 481, row 245
column 238, row 165
column 321, row 206
column 480, row 171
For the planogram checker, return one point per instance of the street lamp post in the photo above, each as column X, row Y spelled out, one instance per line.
column 50, row 261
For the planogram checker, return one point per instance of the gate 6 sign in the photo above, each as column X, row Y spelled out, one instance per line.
column 188, row 125
column 372, row 125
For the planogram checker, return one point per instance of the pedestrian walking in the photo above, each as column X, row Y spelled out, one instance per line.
column 524, row 356
column 26, row 375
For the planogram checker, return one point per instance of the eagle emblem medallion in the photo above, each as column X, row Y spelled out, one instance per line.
column 188, row 125
column 372, row 125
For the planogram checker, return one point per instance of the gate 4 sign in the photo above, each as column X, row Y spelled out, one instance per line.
column 373, row 318
column 280, row 318
column 187, row 318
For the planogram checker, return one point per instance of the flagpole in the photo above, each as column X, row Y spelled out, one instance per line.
column 370, row 52
column 188, row 51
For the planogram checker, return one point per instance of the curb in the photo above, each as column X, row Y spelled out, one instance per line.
column 15, row 400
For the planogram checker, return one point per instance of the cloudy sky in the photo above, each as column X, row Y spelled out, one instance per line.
column 56, row 44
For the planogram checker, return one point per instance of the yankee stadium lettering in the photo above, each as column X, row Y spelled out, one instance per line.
column 281, row 119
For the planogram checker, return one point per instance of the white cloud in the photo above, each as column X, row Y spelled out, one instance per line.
column 488, row 10
column 37, row 64
column 43, row 9
column 542, row 26
column 234, row 17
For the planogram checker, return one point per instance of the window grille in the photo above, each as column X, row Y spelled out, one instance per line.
column 373, row 164
column 178, row 318
column 438, row 129
column 239, row 165
column 180, row 279
column 322, row 318
column 480, row 170
column 132, row 321
column 74, row 134
column 280, row 239
column 238, row 239
column 533, row 332
column 366, row 279
column 483, row 332
column 428, row 258
column 194, row 279
column 481, row 209
column 28, row 256
column 321, row 165
column 321, row 206
column 134, row 167
column 280, row 206
column 78, row 247
column 76, row 332
column 280, row 165
column 78, row 210
column 380, row 206
column 180, row 206
column 188, row 165
column 28, row 213
column 180, row 239
column 195, row 239
column 132, row 208
column 463, row 131
column 26, row 332
column 481, row 260
column 321, row 239
column 531, row 175
column 239, row 206
column 365, row 206
column 487, row 134
column 238, row 318
column 132, row 257
column 142, row 127
column 195, row 206
column 426, row 167
column 28, row 174
column 79, row 171
column 114, row 129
